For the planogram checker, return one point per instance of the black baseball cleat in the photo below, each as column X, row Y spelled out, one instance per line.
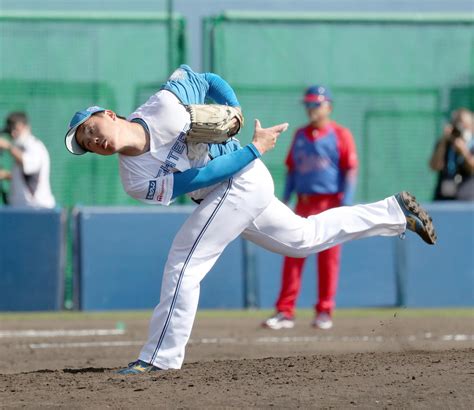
column 418, row 220
column 138, row 367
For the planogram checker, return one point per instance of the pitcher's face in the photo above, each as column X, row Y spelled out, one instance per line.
column 99, row 134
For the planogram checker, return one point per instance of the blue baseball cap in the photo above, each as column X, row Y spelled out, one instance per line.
column 80, row 117
column 316, row 95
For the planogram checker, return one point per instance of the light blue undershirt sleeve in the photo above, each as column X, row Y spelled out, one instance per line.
column 215, row 171
column 216, row 150
column 220, row 90
column 194, row 88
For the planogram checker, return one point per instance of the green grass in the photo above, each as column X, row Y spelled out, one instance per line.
column 382, row 313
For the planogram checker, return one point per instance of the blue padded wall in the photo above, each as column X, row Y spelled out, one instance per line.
column 390, row 271
column 442, row 275
column 367, row 276
column 122, row 252
column 31, row 259
column 368, row 273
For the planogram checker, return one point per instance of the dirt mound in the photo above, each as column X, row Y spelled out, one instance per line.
column 423, row 379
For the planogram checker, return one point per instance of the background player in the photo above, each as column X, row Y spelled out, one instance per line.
column 154, row 165
column 29, row 177
column 322, row 167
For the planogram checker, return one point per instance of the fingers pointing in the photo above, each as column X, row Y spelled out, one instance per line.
column 283, row 127
column 276, row 128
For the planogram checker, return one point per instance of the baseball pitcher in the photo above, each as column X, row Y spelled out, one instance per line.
column 158, row 160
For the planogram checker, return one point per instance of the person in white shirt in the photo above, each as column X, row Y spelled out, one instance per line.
column 29, row 176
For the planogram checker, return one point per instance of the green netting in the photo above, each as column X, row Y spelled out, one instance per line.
column 399, row 160
column 382, row 70
column 355, row 109
column 53, row 65
column 462, row 97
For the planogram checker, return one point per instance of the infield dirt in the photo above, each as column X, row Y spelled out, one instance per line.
column 364, row 362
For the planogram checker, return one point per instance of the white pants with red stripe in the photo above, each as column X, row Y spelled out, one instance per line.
column 246, row 205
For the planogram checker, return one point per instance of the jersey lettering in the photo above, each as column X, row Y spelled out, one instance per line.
column 173, row 155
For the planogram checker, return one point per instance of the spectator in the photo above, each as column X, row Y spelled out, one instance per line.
column 453, row 158
column 29, row 177
column 322, row 166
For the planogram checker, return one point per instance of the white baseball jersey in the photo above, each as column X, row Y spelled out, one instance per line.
column 148, row 177
column 30, row 185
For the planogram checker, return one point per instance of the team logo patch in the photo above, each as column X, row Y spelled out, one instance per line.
column 151, row 189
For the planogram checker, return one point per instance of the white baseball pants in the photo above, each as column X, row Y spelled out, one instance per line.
column 246, row 205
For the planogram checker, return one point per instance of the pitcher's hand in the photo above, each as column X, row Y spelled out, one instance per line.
column 265, row 139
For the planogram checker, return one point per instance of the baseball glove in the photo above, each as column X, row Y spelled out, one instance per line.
column 213, row 123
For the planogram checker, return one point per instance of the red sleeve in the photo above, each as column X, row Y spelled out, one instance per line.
column 347, row 149
column 289, row 160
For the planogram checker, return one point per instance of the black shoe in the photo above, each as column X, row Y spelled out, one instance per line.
column 418, row 220
column 138, row 367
